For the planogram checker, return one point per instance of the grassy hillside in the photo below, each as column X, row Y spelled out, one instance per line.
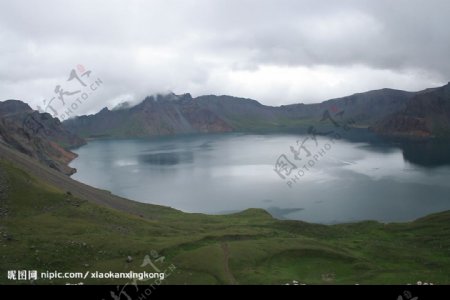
column 45, row 228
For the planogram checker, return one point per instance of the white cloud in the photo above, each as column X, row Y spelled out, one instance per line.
column 277, row 52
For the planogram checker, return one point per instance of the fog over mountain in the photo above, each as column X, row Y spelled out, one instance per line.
column 278, row 52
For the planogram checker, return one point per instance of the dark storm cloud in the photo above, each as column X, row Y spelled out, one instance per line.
column 275, row 51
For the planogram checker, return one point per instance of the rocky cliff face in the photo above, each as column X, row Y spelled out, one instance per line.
column 156, row 115
column 38, row 135
column 426, row 115
column 365, row 108
column 173, row 114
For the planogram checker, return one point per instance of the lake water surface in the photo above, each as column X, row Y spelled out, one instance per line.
column 231, row 172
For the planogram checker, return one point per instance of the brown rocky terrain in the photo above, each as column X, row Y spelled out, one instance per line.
column 426, row 115
column 37, row 135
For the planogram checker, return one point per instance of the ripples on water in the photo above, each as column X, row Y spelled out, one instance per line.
column 232, row 172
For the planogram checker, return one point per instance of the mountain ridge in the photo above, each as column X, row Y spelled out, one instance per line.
column 37, row 135
column 173, row 114
column 426, row 115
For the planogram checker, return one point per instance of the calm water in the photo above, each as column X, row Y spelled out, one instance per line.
column 228, row 173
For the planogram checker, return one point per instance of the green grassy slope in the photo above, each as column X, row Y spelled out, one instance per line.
column 44, row 228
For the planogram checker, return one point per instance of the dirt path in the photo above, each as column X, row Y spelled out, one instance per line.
column 226, row 256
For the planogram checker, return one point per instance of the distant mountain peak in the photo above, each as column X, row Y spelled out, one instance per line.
column 14, row 106
column 104, row 110
column 169, row 97
column 122, row 105
column 169, row 113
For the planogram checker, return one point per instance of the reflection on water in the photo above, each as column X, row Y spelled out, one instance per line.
column 232, row 172
column 167, row 158
column 427, row 153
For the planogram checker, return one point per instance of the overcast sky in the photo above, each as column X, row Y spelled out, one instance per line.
column 277, row 52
